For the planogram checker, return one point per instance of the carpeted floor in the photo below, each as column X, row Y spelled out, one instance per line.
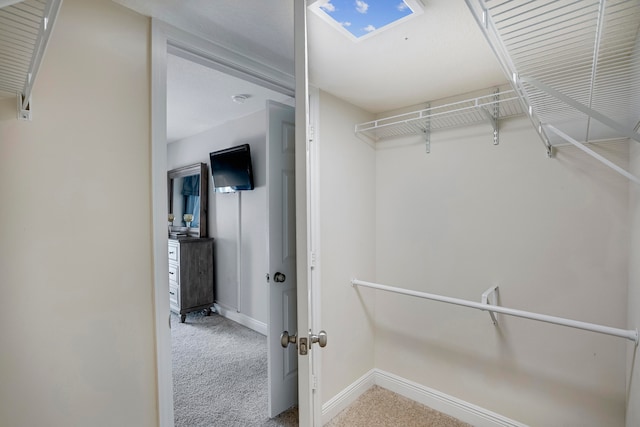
column 220, row 379
column 378, row 407
column 220, row 375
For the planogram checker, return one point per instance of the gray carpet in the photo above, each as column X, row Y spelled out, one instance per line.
column 220, row 375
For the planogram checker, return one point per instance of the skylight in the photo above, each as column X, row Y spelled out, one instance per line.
column 361, row 18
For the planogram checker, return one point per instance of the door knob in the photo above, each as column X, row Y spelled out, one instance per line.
column 321, row 338
column 279, row 277
column 286, row 339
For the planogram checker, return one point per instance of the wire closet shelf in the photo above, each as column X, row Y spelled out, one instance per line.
column 25, row 28
column 486, row 108
column 576, row 64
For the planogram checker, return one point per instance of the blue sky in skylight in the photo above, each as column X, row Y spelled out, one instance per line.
column 361, row 17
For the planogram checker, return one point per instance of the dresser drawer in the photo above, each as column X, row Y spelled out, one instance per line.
column 173, row 296
column 174, row 252
column 174, row 275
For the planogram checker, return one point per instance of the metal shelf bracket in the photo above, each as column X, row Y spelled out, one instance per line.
column 490, row 297
column 427, row 132
column 496, row 116
column 492, row 113
column 24, row 108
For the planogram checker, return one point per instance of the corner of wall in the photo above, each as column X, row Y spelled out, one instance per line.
column 633, row 299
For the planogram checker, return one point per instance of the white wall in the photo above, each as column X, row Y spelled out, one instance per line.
column 552, row 233
column 230, row 213
column 633, row 300
column 78, row 338
column 347, row 244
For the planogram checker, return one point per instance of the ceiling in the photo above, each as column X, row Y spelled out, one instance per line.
column 437, row 54
column 200, row 98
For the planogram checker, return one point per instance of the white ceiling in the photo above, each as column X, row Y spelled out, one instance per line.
column 200, row 98
column 437, row 54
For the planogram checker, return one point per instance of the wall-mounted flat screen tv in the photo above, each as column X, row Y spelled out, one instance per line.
column 231, row 169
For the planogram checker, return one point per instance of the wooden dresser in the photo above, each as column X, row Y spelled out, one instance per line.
column 190, row 275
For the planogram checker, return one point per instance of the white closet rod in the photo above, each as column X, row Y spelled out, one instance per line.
column 630, row 334
column 593, row 154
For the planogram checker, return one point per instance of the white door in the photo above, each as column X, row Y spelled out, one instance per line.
column 283, row 363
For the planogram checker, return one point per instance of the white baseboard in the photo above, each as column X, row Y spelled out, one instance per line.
column 347, row 396
column 243, row 319
column 434, row 399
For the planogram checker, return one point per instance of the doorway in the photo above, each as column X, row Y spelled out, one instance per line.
column 175, row 40
column 220, row 369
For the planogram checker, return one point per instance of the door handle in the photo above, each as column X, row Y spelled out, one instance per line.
column 286, row 339
column 279, row 277
column 321, row 338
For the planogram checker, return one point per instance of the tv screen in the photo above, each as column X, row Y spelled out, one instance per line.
column 231, row 169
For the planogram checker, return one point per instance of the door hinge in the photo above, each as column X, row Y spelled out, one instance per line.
column 312, row 133
column 312, row 259
column 314, row 382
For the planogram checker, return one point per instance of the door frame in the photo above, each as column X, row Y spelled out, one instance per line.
column 313, row 232
column 164, row 38
column 307, row 224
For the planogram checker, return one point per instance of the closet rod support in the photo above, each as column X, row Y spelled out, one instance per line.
column 490, row 297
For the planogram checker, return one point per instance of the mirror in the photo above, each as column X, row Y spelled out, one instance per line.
column 188, row 192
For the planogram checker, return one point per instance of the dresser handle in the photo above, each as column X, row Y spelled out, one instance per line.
column 171, row 272
column 172, row 293
column 171, row 253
